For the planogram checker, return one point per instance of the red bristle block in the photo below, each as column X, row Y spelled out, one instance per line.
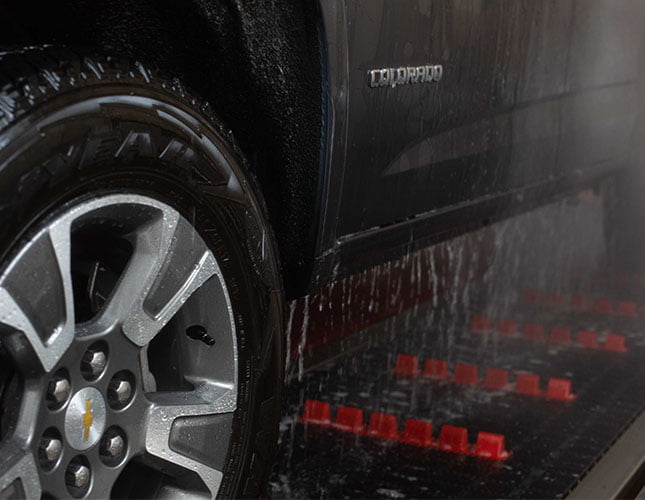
column 481, row 324
column 406, row 365
column 534, row 331
column 560, row 335
column 316, row 412
column 453, row 439
column 588, row 338
column 383, row 426
column 436, row 368
column 615, row 343
column 417, row 432
column 560, row 389
column 507, row 327
column 466, row 374
column 490, row 446
column 555, row 299
column 603, row 306
column 528, row 384
column 349, row 419
column 580, row 302
column 627, row 309
column 495, row 379
column 532, row 297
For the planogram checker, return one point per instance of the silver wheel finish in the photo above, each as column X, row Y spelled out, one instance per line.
column 171, row 275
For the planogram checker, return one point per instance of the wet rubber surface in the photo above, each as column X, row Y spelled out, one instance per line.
column 553, row 443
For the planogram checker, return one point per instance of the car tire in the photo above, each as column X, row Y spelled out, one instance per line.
column 105, row 165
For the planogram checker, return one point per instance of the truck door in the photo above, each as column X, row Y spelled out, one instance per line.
column 531, row 93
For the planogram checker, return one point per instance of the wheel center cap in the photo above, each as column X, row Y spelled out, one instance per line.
column 85, row 418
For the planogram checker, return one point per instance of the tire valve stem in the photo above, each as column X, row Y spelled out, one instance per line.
column 198, row 332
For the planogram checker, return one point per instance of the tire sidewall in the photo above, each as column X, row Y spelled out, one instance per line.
column 64, row 150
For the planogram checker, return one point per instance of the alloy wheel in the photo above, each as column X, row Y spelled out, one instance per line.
column 119, row 355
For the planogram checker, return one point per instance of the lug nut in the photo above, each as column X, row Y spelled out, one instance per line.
column 112, row 446
column 50, row 451
column 93, row 363
column 77, row 475
column 120, row 390
column 58, row 390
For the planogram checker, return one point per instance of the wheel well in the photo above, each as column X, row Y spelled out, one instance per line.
column 257, row 63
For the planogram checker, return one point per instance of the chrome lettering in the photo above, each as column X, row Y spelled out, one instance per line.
column 404, row 75
column 437, row 72
column 375, row 77
column 413, row 77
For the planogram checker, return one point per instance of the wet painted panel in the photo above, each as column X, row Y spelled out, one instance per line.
column 531, row 92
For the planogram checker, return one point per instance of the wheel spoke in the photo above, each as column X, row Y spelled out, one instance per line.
column 36, row 294
column 18, row 473
column 170, row 409
column 164, row 271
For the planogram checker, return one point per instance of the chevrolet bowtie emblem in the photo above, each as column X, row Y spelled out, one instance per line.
column 88, row 417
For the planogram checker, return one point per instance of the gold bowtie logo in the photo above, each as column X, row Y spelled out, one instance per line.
column 88, row 417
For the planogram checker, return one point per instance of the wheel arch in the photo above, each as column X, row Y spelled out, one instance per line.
column 258, row 64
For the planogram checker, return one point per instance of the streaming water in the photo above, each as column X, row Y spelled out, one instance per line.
column 348, row 336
